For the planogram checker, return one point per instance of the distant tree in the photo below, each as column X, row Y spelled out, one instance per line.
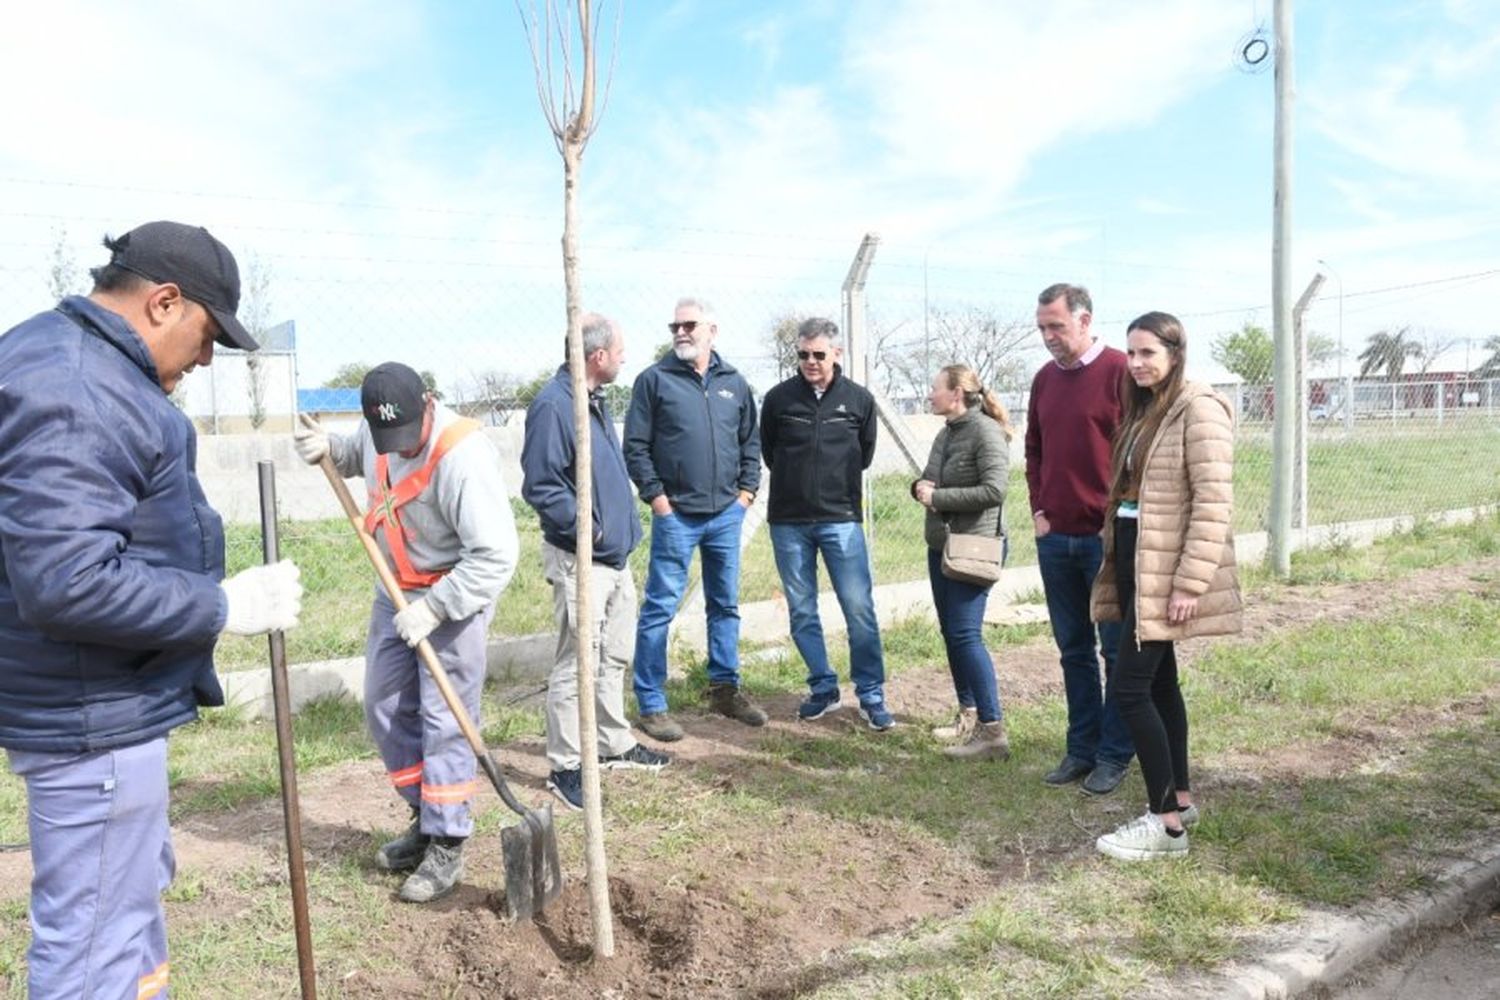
column 255, row 312
column 1247, row 352
column 1432, row 345
column 617, row 398
column 1490, row 367
column 65, row 277
column 996, row 349
column 662, row 351
column 1321, row 349
column 349, row 376
column 1387, row 352
column 501, row 395
column 781, row 339
column 352, row 375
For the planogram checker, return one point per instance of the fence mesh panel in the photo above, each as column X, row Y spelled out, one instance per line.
column 1381, row 442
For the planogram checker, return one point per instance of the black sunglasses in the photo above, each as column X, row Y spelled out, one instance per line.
column 686, row 326
column 815, row 355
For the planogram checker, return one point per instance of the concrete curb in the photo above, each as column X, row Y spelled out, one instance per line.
column 1332, row 946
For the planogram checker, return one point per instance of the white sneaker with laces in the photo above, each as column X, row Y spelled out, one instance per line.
column 1144, row 838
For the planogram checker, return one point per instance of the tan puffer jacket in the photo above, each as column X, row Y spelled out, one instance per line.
column 1185, row 542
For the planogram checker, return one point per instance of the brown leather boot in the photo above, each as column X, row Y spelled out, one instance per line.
column 959, row 729
column 986, row 742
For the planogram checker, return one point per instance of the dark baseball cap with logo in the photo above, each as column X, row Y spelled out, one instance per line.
column 190, row 258
column 394, row 399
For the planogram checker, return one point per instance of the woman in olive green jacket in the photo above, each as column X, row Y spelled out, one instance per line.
column 963, row 489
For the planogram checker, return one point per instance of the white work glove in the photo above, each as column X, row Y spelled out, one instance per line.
column 311, row 439
column 417, row 621
column 263, row 599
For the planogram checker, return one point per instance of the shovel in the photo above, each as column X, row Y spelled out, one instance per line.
column 533, row 875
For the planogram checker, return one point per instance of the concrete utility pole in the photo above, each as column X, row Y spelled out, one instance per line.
column 1284, row 381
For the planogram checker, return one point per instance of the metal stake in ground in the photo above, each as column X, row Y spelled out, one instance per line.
column 533, row 874
column 281, row 700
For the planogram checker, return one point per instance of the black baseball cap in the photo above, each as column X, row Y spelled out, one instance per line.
column 394, row 399
column 190, row 258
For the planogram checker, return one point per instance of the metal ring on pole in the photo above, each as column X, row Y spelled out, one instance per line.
column 1252, row 53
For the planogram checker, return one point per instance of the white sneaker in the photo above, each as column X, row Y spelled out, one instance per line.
column 1143, row 839
column 1188, row 815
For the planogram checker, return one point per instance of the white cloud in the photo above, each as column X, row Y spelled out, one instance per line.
column 977, row 92
column 1434, row 116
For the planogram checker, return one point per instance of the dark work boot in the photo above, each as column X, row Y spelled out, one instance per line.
column 726, row 699
column 438, row 874
column 405, row 852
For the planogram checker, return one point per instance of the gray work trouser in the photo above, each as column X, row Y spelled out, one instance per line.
column 613, row 638
column 101, row 854
column 425, row 753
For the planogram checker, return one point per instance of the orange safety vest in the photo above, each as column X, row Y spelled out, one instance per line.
column 386, row 501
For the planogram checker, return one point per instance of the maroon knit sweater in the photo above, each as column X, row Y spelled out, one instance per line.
column 1070, row 422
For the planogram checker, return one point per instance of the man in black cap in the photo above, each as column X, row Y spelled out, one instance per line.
column 111, row 598
column 439, row 510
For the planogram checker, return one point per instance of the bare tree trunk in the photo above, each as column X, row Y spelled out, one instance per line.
column 588, row 630
column 571, row 130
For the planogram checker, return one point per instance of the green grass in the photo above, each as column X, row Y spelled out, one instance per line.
column 1051, row 919
column 1376, row 472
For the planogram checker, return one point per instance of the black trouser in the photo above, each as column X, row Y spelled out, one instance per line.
column 1144, row 687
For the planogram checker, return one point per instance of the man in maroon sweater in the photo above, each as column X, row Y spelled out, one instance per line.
column 1074, row 410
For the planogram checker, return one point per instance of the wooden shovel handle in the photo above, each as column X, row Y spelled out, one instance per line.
column 424, row 648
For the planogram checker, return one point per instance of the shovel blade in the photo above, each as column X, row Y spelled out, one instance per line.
column 533, row 875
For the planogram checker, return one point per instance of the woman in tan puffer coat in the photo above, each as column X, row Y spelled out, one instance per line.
column 1169, row 570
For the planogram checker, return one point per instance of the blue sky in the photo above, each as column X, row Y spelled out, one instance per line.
column 388, row 166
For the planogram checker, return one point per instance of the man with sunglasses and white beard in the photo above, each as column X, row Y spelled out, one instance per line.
column 692, row 448
column 818, row 436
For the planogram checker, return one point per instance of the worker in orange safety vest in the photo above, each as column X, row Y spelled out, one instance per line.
column 440, row 512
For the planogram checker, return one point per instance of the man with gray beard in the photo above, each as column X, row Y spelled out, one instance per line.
column 693, row 450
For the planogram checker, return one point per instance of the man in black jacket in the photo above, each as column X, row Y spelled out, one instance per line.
column 693, row 450
column 818, row 436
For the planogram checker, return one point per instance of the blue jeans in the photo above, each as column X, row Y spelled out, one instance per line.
column 848, row 562
column 1069, row 564
column 673, row 539
column 960, row 612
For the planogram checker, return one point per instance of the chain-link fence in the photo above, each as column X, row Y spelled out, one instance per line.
column 487, row 332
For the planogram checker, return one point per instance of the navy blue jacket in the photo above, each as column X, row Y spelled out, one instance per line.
column 693, row 438
column 549, row 464
column 110, row 556
column 817, row 449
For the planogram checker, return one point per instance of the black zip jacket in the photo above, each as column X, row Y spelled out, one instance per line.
column 817, row 449
column 693, row 438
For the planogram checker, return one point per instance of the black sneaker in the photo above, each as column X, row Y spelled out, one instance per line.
column 637, row 757
column 406, row 851
column 727, row 699
column 568, row 787
column 436, row 876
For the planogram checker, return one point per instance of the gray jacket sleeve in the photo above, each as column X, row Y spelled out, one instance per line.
column 348, row 451
column 471, row 493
